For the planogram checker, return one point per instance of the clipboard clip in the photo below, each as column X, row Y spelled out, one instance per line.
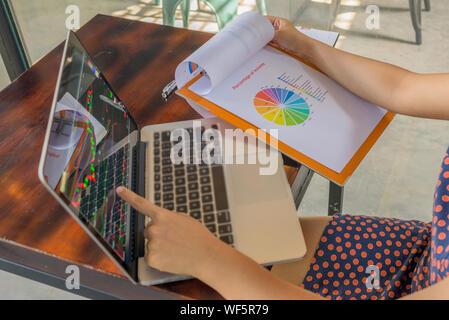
column 169, row 89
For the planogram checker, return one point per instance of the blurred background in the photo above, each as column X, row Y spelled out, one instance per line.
column 396, row 179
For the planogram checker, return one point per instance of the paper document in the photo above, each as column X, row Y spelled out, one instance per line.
column 273, row 90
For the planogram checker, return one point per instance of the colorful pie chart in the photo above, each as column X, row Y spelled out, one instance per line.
column 281, row 106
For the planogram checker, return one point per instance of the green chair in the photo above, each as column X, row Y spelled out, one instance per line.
column 224, row 10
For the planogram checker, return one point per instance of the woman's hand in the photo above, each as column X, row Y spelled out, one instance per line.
column 288, row 38
column 176, row 243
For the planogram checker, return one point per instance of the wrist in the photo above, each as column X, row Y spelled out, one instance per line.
column 305, row 47
column 216, row 257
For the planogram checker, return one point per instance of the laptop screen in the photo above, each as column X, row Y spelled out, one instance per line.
column 89, row 151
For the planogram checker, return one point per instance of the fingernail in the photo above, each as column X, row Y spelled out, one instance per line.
column 119, row 190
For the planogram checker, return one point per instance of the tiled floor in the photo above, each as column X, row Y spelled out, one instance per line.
column 397, row 177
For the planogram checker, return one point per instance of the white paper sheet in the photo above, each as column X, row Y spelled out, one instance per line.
column 327, row 37
column 226, row 51
column 313, row 114
column 337, row 124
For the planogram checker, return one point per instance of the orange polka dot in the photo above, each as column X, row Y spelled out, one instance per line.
column 320, row 253
column 438, row 208
column 446, row 174
column 445, row 198
column 442, row 236
column 441, row 223
column 325, row 264
column 355, row 261
column 347, row 266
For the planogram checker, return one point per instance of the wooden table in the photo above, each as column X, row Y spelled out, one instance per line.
column 38, row 239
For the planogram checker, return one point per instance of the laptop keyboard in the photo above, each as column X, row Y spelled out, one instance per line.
column 195, row 189
column 110, row 173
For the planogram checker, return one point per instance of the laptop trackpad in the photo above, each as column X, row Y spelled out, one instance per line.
column 248, row 186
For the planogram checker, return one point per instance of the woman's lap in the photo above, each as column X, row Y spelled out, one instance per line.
column 312, row 228
column 341, row 248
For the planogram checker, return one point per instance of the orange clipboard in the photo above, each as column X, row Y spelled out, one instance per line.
column 338, row 178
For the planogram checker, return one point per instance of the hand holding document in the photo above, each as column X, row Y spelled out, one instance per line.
column 238, row 77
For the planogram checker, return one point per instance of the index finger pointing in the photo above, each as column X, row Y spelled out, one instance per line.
column 137, row 202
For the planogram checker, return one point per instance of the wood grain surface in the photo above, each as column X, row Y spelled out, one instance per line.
column 138, row 59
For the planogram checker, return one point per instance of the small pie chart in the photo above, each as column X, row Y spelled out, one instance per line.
column 281, row 106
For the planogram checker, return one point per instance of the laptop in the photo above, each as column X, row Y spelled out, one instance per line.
column 93, row 145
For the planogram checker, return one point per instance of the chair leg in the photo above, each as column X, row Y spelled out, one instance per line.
column 262, row 7
column 169, row 11
column 224, row 10
column 415, row 12
column 185, row 13
column 427, row 5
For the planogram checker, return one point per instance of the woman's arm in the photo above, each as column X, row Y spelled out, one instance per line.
column 388, row 86
column 179, row 244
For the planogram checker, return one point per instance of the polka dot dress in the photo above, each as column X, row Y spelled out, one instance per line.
column 361, row 257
